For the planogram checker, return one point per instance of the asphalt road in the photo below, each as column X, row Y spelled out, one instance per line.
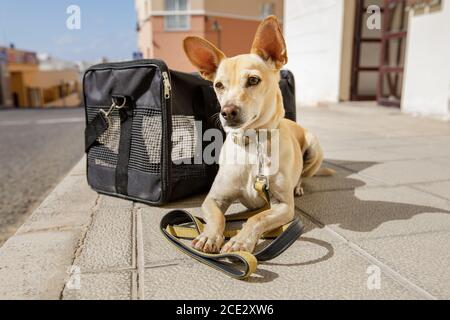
column 37, row 149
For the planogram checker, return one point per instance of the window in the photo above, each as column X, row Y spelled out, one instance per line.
column 175, row 19
column 267, row 9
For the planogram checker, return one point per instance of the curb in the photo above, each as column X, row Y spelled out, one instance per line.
column 35, row 262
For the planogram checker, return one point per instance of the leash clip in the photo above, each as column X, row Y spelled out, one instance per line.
column 114, row 106
column 264, row 180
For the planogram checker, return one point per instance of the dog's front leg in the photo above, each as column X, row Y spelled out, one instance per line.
column 211, row 239
column 247, row 239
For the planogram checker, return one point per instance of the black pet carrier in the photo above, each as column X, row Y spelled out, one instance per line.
column 143, row 127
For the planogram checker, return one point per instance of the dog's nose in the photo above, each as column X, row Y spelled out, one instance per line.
column 229, row 112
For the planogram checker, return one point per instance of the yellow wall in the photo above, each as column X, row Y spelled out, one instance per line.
column 46, row 79
column 46, row 83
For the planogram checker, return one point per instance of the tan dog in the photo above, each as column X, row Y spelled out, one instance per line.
column 248, row 92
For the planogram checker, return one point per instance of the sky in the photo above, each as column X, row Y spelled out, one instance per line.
column 108, row 28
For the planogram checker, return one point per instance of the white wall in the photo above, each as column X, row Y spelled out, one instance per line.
column 427, row 71
column 313, row 32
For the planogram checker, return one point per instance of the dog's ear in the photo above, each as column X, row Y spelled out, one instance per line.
column 203, row 55
column 269, row 42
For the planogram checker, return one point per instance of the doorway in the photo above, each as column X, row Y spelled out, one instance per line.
column 378, row 53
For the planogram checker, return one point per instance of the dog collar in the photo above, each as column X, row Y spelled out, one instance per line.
column 240, row 139
column 243, row 139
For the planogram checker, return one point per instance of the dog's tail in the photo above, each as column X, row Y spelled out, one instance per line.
column 313, row 158
column 324, row 172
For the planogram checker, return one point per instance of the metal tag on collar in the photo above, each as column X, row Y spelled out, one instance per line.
column 235, row 137
column 261, row 177
column 264, row 180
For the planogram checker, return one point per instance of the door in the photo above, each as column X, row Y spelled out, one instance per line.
column 366, row 53
column 393, row 46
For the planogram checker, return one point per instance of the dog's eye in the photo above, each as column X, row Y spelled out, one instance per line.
column 219, row 85
column 253, row 81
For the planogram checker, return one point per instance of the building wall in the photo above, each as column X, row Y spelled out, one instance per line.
column 248, row 9
column 427, row 71
column 236, row 36
column 159, row 5
column 238, row 21
column 18, row 92
column 348, row 33
column 5, row 96
column 313, row 32
column 46, row 85
column 144, row 26
column 168, row 45
column 145, row 39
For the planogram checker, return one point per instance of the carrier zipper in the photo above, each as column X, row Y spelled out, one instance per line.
column 167, row 86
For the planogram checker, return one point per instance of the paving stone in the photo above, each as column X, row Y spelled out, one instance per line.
column 408, row 171
column 422, row 258
column 441, row 189
column 377, row 212
column 343, row 179
column 36, row 265
column 375, row 142
column 108, row 242
column 366, row 154
column 306, row 271
column 157, row 250
column 442, row 160
column 101, row 286
column 80, row 168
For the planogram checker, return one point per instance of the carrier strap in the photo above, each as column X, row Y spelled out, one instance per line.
column 126, row 121
column 94, row 130
column 242, row 264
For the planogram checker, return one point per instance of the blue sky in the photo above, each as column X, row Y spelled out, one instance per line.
column 107, row 28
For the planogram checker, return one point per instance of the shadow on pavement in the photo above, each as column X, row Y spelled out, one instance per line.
column 332, row 201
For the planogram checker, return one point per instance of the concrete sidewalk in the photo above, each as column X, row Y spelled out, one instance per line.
column 379, row 229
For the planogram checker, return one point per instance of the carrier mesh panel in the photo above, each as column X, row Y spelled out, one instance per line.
column 146, row 148
column 184, row 145
column 105, row 154
column 184, row 138
column 145, row 153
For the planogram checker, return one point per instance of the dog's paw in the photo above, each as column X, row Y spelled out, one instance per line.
column 208, row 242
column 238, row 243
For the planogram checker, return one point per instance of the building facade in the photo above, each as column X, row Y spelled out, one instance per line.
column 395, row 52
column 24, row 84
column 230, row 25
